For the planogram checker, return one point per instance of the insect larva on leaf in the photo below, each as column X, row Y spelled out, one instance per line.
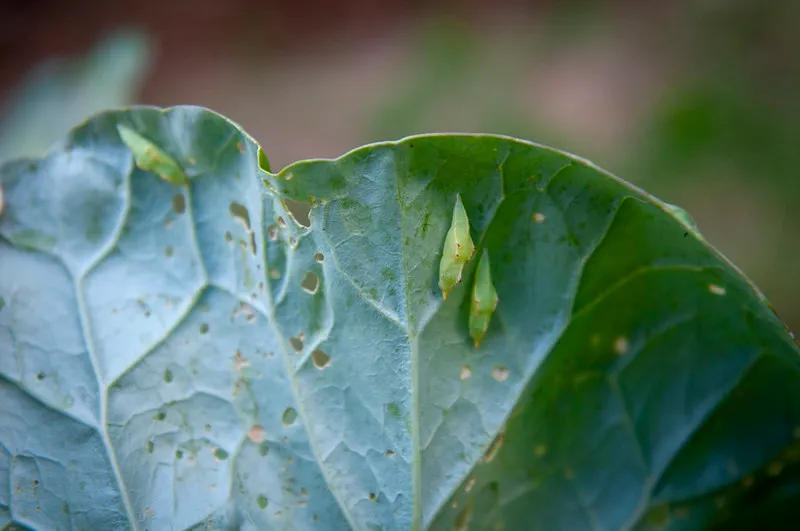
column 484, row 300
column 457, row 251
column 150, row 157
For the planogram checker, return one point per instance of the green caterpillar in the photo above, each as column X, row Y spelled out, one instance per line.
column 458, row 249
column 484, row 300
column 150, row 157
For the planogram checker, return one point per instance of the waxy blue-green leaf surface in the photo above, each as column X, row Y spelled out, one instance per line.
column 191, row 357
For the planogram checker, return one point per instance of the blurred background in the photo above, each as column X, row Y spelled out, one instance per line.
column 697, row 101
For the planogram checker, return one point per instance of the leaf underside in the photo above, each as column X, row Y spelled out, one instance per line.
column 192, row 357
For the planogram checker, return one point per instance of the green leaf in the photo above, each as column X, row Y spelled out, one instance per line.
column 179, row 357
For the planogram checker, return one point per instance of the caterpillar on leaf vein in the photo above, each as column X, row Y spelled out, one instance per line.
column 484, row 300
column 457, row 251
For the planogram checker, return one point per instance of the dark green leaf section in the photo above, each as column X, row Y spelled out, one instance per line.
column 199, row 358
column 625, row 377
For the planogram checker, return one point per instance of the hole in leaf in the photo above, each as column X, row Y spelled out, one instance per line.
column 297, row 342
column 169, row 251
column 320, row 359
column 500, row 373
column 716, row 290
column 319, row 257
column 239, row 361
column 40, row 376
column 470, row 484
column 239, row 212
column 204, row 328
column 228, row 236
column 253, row 246
column 263, row 448
column 150, row 447
column 621, row 345
column 389, row 453
column 494, row 448
column 160, row 416
column 167, row 375
column 262, row 501
column 281, row 222
column 220, row 454
column 178, row 454
column 310, row 283
column 289, row 416
column 256, row 433
column 179, row 203
column 372, row 496
column 298, row 212
column 272, row 232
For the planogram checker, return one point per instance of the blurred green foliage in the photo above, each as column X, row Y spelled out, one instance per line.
column 62, row 92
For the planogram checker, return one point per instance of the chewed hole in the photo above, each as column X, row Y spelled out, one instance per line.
column 240, row 213
column 320, row 359
column 491, row 453
column 319, row 257
column 296, row 342
column 500, row 373
column 298, row 212
column 716, row 290
column 310, row 283
column 621, row 345
column 220, row 454
column 281, row 222
column 289, row 416
column 389, row 453
column 179, row 203
column 262, row 501
column 372, row 496
column 272, row 232
column 256, row 433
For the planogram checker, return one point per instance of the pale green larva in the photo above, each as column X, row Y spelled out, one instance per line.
column 150, row 157
column 457, row 251
column 484, row 300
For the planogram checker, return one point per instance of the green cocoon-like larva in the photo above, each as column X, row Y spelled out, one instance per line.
column 457, row 251
column 484, row 300
column 150, row 157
